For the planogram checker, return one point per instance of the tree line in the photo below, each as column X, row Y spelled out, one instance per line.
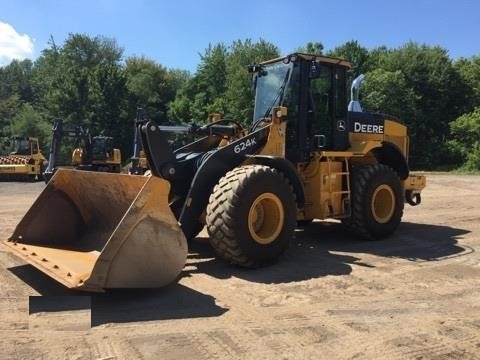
column 86, row 81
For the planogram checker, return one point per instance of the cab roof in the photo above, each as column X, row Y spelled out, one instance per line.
column 311, row 57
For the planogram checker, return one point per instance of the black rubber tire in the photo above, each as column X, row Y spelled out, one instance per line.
column 240, row 193
column 375, row 181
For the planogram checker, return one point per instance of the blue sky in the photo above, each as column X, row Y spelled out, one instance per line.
column 174, row 33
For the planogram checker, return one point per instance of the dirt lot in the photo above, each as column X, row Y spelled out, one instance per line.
column 413, row 296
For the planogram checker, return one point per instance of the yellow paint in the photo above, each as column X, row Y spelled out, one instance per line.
column 323, row 189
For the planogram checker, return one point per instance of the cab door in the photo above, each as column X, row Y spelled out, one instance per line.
column 328, row 108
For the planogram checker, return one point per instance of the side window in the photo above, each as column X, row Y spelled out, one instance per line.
column 319, row 117
column 320, row 89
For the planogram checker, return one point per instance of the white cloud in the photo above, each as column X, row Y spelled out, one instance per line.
column 13, row 45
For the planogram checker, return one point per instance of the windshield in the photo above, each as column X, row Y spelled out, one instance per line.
column 101, row 146
column 21, row 146
column 271, row 82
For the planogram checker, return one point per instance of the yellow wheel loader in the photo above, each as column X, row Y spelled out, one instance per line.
column 24, row 162
column 307, row 155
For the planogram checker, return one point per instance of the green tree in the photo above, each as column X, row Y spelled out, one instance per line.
column 15, row 79
column 469, row 70
column 205, row 88
column 9, row 108
column 311, row 48
column 465, row 140
column 82, row 82
column 45, row 71
column 28, row 122
column 15, row 90
column 222, row 82
column 356, row 54
column 109, row 90
column 388, row 92
column 439, row 98
column 85, row 82
column 65, row 76
column 239, row 99
column 152, row 87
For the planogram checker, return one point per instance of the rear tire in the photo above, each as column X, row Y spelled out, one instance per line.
column 251, row 215
column 377, row 202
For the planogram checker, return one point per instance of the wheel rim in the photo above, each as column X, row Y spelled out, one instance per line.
column 265, row 218
column 383, row 204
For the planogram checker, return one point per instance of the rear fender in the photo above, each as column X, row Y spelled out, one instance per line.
column 391, row 155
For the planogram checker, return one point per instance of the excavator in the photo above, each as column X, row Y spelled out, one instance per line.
column 139, row 164
column 93, row 153
column 306, row 155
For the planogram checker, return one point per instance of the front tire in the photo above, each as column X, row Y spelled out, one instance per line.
column 251, row 215
column 377, row 202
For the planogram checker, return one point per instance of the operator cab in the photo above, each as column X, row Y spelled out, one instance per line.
column 24, row 146
column 313, row 89
column 102, row 147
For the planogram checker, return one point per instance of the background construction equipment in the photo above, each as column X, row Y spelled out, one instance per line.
column 24, row 161
column 92, row 153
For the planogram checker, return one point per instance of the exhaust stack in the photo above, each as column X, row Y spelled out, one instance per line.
column 354, row 104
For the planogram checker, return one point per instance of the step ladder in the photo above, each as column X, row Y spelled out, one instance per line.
column 345, row 193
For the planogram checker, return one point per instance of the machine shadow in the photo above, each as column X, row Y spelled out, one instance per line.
column 325, row 248
column 304, row 260
column 40, row 282
column 320, row 249
column 118, row 306
column 55, row 303
column 411, row 241
column 172, row 302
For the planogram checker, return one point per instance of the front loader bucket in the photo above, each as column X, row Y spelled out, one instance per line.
column 92, row 231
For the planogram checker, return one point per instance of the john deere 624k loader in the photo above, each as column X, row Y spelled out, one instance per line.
column 304, row 157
